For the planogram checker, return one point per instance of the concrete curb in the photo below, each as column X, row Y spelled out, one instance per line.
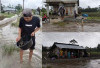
column 7, row 20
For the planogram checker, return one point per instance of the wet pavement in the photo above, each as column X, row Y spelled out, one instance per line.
column 8, row 34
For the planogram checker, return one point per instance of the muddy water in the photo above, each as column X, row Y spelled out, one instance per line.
column 76, row 64
column 8, row 36
column 90, row 27
column 72, row 27
column 86, row 64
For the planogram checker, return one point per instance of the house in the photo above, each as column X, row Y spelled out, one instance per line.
column 10, row 10
column 66, row 46
column 76, row 50
column 71, row 6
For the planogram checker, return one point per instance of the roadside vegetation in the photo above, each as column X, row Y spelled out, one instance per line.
column 93, row 13
column 61, row 24
column 9, row 49
column 16, row 24
column 7, row 15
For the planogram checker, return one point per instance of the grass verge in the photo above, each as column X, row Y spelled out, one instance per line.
column 7, row 15
column 9, row 49
column 61, row 24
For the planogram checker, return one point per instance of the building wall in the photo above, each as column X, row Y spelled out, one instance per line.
column 69, row 8
column 61, row 0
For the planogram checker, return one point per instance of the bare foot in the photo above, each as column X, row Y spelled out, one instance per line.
column 29, row 61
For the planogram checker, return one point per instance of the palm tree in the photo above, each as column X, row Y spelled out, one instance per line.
column 73, row 41
column 98, row 47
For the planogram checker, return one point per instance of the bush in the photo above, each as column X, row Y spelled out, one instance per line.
column 9, row 49
column 2, row 17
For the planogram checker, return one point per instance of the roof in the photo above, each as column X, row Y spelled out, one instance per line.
column 9, row 9
column 61, row 1
column 53, row 2
column 68, row 46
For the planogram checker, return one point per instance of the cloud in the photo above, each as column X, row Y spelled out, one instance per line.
column 89, row 39
column 91, row 3
column 38, row 3
column 86, row 3
column 28, row 3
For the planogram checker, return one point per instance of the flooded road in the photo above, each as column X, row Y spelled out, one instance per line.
column 89, row 39
column 75, row 64
column 71, row 27
column 86, row 64
column 8, row 34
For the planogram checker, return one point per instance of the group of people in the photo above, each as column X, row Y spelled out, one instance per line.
column 60, row 12
column 70, row 54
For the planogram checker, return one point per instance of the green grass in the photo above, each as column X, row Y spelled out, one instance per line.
column 95, row 53
column 9, row 49
column 92, row 15
column 16, row 24
column 42, row 13
column 93, row 18
column 7, row 15
column 61, row 24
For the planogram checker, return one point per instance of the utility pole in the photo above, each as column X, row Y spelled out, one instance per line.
column 0, row 7
column 23, row 4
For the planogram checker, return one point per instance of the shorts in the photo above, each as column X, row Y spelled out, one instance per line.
column 33, row 38
column 33, row 46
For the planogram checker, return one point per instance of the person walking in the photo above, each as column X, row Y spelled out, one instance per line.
column 61, row 10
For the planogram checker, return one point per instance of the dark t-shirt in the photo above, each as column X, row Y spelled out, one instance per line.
column 29, row 27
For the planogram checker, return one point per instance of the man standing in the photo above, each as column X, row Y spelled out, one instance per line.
column 28, row 25
column 61, row 10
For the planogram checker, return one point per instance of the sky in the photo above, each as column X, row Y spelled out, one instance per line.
column 38, row 3
column 90, row 39
column 33, row 4
column 91, row 3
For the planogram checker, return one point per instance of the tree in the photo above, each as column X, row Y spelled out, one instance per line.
column 2, row 6
column 9, row 6
column 43, row 10
column 98, row 47
column 39, row 10
column 88, row 9
column 18, row 7
column 99, row 8
column 73, row 41
column 86, row 47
